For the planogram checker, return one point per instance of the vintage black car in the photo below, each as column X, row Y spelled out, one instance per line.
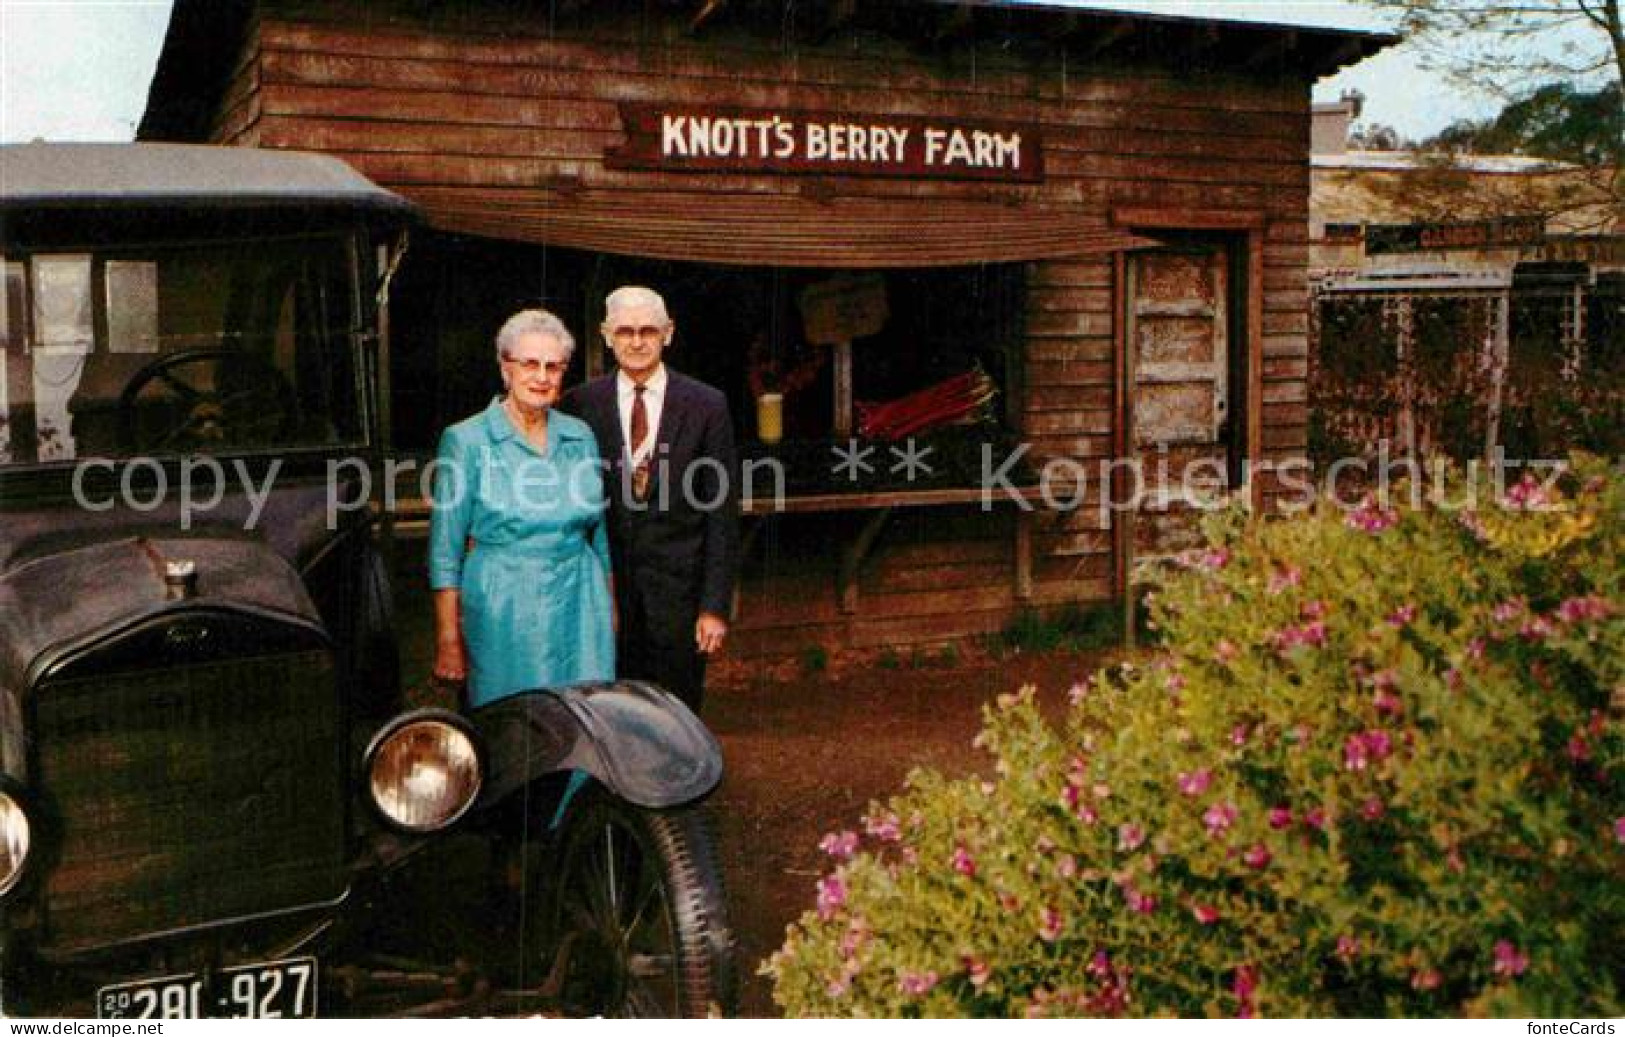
column 212, row 801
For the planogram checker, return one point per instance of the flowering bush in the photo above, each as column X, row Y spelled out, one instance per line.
column 1376, row 770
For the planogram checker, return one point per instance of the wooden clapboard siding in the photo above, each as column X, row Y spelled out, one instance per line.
column 418, row 99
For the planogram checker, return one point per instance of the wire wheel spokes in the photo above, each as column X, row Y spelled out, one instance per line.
column 615, row 897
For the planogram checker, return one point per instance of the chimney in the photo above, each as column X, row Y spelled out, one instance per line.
column 1329, row 128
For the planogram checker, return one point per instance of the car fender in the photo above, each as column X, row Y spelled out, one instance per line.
column 637, row 739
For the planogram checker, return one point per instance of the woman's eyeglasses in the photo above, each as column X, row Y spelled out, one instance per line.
column 534, row 365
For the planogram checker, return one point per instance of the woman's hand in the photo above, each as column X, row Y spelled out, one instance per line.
column 449, row 662
column 450, row 658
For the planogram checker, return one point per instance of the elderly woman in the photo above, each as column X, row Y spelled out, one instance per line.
column 518, row 556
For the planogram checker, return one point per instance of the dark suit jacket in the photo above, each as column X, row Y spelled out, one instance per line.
column 680, row 546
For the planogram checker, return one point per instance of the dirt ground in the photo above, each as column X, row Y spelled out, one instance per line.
column 806, row 753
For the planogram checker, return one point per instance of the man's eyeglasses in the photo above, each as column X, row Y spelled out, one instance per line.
column 625, row 336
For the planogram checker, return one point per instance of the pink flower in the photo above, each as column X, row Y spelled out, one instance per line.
column 1311, row 634
column 915, row 984
column 1280, row 817
column 885, row 827
column 1050, row 925
column 1619, row 830
column 1256, row 857
column 1379, row 744
column 1312, row 610
column 1385, row 701
column 1078, row 692
column 1204, row 913
column 1372, row 809
column 1527, row 495
column 857, row 934
column 1426, row 979
column 831, row 896
column 1100, row 966
column 1213, row 558
column 1369, row 517
column 838, row 987
column 964, row 863
column 1536, row 628
column 1175, row 682
column 1584, row 610
column 1245, row 984
column 1225, row 651
column 1365, row 748
column 1101, row 790
column 1283, row 577
column 1316, row 819
column 976, row 970
column 1066, row 866
column 1578, row 749
column 1355, row 757
column 839, row 845
column 1140, row 903
column 1474, row 525
column 1508, row 960
column 1238, row 735
column 1196, row 782
column 1347, row 947
column 1402, row 616
column 1130, row 837
column 1509, row 610
column 1475, row 649
column 1219, row 817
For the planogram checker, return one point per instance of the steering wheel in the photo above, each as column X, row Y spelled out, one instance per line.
column 257, row 407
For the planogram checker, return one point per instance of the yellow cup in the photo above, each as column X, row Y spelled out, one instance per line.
column 770, row 417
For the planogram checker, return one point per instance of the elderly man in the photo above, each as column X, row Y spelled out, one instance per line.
column 673, row 526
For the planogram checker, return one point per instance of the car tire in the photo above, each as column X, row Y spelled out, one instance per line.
column 638, row 914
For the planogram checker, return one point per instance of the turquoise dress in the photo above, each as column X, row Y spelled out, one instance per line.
column 520, row 532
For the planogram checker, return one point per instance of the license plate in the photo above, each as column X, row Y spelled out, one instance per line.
column 270, row 990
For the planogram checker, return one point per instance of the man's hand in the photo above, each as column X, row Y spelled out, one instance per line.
column 709, row 630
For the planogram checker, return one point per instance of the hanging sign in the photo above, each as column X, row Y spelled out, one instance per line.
column 737, row 140
column 1510, row 232
column 843, row 308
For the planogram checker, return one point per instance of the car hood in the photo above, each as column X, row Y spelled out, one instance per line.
column 53, row 603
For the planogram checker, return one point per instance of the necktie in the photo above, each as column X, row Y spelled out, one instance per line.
column 640, row 432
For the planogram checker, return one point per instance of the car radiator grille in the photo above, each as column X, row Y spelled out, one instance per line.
column 190, row 795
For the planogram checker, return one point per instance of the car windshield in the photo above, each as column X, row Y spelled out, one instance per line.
column 133, row 351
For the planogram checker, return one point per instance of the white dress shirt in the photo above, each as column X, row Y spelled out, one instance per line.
column 654, row 398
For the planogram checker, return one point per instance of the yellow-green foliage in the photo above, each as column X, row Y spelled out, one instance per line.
column 1376, row 769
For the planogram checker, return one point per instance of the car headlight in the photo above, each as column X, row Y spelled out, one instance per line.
column 16, row 836
column 424, row 771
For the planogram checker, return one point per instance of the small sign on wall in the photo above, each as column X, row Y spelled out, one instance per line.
column 734, row 140
column 844, row 308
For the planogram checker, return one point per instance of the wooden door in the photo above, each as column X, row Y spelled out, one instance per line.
column 1179, row 368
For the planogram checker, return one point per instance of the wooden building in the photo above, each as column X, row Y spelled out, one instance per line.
column 1462, row 304
column 1102, row 215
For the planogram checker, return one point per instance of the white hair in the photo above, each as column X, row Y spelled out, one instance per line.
column 534, row 322
column 628, row 296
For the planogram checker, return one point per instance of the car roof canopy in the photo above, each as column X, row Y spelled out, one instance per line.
column 135, row 178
